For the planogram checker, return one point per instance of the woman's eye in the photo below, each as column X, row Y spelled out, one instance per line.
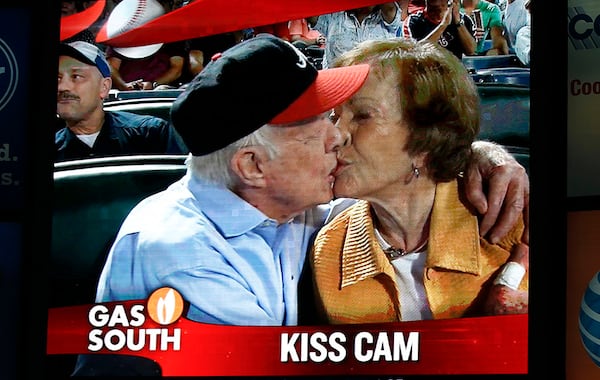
column 361, row 116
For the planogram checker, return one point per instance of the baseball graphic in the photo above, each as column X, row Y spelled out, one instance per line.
column 130, row 14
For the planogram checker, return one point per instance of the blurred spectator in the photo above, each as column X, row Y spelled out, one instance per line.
column 343, row 30
column 147, row 67
column 279, row 29
column 70, row 7
column 501, row 4
column 493, row 27
column 444, row 24
column 301, row 30
column 515, row 17
column 415, row 5
column 97, row 25
column 523, row 39
column 308, row 40
column 88, row 131
column 200, row 50
column 164, row 67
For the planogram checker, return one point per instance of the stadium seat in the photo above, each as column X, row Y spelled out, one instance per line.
column 518, row 76
column 91, row 199
column 505, row 111
column 474, row 63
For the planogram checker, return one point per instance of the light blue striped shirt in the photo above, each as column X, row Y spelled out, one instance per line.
column 343, row 31
column 233, row 264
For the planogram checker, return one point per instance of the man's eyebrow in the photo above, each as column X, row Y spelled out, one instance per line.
column 81, row 68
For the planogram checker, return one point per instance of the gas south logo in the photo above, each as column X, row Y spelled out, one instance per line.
column 125, row 327
column 9, row 74
column 165, row 306
column 584, row 28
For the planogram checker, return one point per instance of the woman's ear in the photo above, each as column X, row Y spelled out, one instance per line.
column 420, row 160
column 247, row 164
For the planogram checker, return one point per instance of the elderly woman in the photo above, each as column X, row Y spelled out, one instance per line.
column 411, row 248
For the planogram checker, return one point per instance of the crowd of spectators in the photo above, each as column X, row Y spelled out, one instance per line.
column 451, row 23
column 504, row 29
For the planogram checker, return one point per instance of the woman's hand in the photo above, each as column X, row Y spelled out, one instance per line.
column 505, row 297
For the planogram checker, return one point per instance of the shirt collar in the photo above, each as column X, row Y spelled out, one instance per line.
column 232, row 215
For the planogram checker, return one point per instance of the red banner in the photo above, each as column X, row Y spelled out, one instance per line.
column 485, row 345
column 75, row 23
column 205, row 17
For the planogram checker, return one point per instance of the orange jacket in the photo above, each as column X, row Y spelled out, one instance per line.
column 355, row 282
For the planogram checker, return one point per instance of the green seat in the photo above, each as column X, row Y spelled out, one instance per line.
column 505, row 114
column 474, row 63
column 91, row 200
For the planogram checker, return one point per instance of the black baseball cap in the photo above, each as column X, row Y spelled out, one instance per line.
column 258, row 81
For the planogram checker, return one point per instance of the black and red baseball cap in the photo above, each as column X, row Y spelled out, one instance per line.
column 263, row 80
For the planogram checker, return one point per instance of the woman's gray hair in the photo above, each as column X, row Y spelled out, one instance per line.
column 215, row 166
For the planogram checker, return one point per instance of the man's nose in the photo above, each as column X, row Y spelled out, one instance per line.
column 63, row 83
column 343, row 133
column 335, row 139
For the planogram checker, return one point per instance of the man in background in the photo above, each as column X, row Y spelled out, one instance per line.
column 86, row 130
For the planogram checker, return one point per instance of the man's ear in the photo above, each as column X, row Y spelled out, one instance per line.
column 105, row 87
column 248, row 164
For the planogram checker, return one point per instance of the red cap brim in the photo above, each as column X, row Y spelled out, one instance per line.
column 331, row 88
